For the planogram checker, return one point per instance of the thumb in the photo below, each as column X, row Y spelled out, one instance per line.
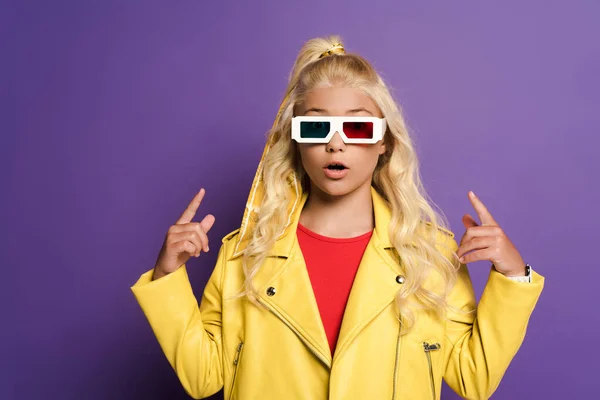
column 468, row 221
column 207, row 222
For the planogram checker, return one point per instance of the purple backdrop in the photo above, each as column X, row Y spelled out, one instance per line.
column 115, row 113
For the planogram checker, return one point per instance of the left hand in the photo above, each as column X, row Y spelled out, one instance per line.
column 488, row 242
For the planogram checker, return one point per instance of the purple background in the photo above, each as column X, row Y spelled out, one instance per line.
column 115, row 113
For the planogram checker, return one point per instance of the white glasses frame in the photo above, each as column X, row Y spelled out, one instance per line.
column 336, row 125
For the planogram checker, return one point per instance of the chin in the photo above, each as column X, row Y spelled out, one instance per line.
column 336, row 188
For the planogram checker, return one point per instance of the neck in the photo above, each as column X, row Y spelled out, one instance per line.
column 343, row 216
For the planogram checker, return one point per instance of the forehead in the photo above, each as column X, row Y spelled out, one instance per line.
column 339, row 101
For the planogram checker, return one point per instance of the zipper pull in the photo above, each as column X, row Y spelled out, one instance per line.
column 433, row 346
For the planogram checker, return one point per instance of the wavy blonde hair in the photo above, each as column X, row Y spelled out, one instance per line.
column 396, row 177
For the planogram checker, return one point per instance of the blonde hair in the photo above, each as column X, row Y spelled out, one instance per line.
column 396, row 177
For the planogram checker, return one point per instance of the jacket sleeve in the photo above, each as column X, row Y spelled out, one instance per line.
column 189, row 335
column 481, row 344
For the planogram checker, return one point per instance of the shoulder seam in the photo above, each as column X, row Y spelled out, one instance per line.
column 447, row 231
column 230, row 235
column 444, row 230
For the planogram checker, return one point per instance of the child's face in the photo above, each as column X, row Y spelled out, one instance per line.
column 360, row 159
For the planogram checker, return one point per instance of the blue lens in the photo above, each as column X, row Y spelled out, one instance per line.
column 314, row 129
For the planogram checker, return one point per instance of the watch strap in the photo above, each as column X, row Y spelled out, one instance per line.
column 526, row 278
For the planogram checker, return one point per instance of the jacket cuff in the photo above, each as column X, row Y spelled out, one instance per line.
column 165, row 296
column 509, row 296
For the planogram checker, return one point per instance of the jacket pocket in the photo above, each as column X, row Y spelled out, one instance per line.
column 236, row 363
column 428, row 348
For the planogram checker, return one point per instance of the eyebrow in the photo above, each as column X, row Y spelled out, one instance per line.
column 321, row 110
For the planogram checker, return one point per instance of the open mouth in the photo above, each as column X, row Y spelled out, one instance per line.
column 336, row 167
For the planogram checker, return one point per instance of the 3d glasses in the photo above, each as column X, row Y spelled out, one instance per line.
column 320, row 129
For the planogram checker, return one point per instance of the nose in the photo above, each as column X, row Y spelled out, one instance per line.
column 336, row 143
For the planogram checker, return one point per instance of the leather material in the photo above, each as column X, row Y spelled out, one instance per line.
column 282, row 352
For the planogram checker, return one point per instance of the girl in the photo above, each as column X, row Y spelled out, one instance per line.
column 342, row 281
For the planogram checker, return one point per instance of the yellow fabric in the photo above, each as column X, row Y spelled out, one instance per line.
column 282, row 352
column 255, row 200
column 335, row 49
column 257, row 190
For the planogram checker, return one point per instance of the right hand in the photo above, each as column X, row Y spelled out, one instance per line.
column 184, row 239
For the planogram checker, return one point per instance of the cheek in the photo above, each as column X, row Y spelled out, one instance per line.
column 308, row 157
column 369, row 158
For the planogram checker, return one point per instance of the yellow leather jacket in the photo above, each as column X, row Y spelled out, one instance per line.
column 283, row 353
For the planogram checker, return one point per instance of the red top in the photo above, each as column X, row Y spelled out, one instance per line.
column 331, row 264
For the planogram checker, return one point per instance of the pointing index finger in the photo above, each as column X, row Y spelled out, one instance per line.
column 484, row 215
column 191, row 209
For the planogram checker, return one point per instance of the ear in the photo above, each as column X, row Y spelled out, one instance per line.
column 382, row 149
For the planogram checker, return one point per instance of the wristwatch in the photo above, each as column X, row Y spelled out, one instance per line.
column 526, row 278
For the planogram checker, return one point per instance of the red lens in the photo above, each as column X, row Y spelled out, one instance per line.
column 358, row 130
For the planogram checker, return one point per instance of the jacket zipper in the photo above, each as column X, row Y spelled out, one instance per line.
column 235, row 367
column 396, row 365
column 428, row 348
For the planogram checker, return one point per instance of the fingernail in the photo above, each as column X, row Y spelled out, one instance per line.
column 462, row 259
